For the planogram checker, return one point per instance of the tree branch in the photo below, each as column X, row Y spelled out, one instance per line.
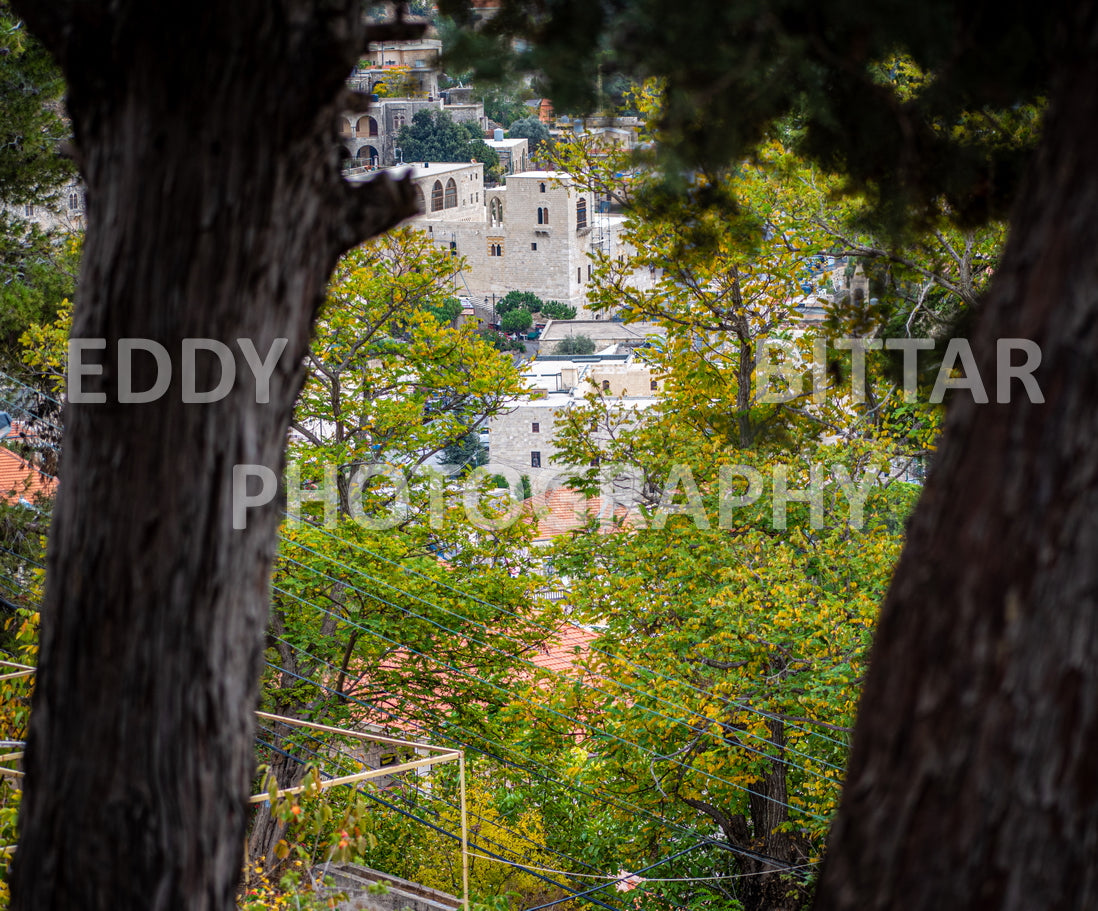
column 371, row 207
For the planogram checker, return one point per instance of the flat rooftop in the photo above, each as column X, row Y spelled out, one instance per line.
column 600, row 330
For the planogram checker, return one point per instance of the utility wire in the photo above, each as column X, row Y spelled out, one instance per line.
column 653, row 712
column 625, row 661
column 571, row 719
column 451, row 835
column 534, row 769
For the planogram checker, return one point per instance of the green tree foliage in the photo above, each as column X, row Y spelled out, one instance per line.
column 575, row 344
column 465, row 454
column 31, row 170
column 499, row 341
column 557, row 310
column 502, row 104
column 516, row 321
column 37, row 272
column 839, row 97
column 389, row 378
column 527, row 300
column 518, row 300
column 367, row 623
column 434, row 136
column 532, row 129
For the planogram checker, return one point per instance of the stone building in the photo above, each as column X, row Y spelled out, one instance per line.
column 534, row 234
column 403, row 78
column 514, row 154
column 65, row 214
column 522, row 441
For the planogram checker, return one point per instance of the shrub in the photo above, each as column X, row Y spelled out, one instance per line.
column 576, row 344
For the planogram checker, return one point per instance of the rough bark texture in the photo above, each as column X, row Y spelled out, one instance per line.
column 972, row 781
column 764, row 849
column 206, row 136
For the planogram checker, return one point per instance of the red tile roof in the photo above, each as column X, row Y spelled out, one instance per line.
column 562, row 510
column 561, row 654
column 19, row 479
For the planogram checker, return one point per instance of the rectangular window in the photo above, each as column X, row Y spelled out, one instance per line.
column 535, row 428
column 533, row 246
column 535, row 460
column 29, row 211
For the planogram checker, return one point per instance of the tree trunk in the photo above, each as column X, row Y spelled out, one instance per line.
column 972, row 780
column 216, row 211
column 763, row 886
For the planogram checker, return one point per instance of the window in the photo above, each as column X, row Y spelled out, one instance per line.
column 451, row 194
column 535, row 460
column 579, row 275
column 29, row 211
column 533, row 246
column 654, row 385
column 543, row 215
column 589, row 273
column 542, row 188
column 453, row 248
column 495, row 212
column 436, row 196
column 581, row 214
column 398, row 121
column 605, row 385
column 495, row 249
column 535, row 427
column 74, row 202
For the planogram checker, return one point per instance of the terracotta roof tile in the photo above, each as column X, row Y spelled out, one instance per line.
column 19, row 479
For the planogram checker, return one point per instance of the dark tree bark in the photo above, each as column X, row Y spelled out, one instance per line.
column 206, row 136
column 763, row 848
column 972, row 782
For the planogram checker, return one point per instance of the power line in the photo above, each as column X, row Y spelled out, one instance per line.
column 551, row 711
column 650, row 711
column 534, row 768
column 451, row 835
column 625, row 661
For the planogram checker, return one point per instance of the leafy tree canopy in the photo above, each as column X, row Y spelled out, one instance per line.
column 434, row 136
column 530, row 128
column 576, row 344
column 957, row 142
column 516, row 321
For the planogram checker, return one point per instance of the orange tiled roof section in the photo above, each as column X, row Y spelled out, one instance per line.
column 19, row 479
column 561, row 510
column 561, row 653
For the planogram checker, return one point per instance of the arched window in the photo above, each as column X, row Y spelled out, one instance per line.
column 542, row 187
column 436, row 196
column 581, row 214
column 366, row 126
column 398, row 121
column 495, row 212
column 543, row 215
column 451, row 194
column 345, row 128
column 422, row 200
